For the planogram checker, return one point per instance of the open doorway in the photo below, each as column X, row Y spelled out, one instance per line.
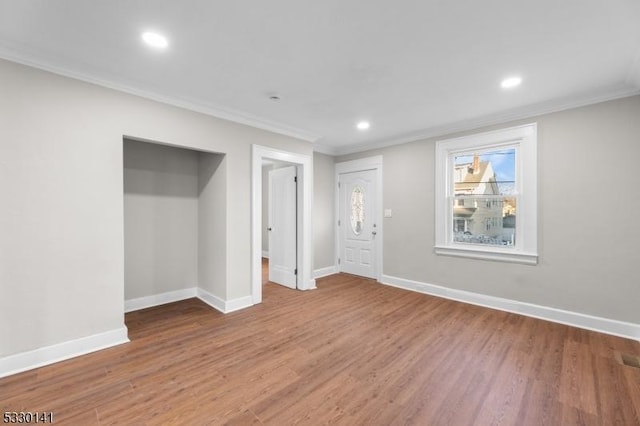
column 280, row 222
column 304, row 173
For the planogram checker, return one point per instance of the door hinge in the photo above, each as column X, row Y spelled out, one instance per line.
column 338, row 222
column 295, row 179
column 338, row 261
column 338, row 184
column 295, row 272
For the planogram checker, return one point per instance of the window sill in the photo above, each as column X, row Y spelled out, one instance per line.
column 483, row 254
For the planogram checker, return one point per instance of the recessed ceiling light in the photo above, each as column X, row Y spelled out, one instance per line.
column 363, row 125
column 510, row 82
column 155, row 40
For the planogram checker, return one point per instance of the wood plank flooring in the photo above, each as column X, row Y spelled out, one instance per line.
column 352, row 352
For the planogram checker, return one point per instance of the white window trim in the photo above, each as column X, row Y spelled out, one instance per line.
column 524, row 138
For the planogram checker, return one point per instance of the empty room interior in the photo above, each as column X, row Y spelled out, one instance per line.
column 320, row 213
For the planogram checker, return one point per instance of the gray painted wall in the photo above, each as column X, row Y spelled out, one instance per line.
column 61, row 165
column 323, row 210
column 160, row 219
column 588, row 233
column 212, row 223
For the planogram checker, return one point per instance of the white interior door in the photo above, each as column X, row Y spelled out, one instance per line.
column 282, row 226
column 357, row 223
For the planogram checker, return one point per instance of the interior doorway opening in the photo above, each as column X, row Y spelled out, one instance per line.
column 304, row 172
column 279, row 222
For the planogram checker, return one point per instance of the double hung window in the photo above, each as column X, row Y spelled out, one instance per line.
column 486, row 195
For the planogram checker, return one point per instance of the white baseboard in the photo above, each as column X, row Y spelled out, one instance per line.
column 159, row 299
column 187, row 293
column 237, row 304
column 17, row 363
column 575, row 319
column 224, row 306
column 265, row 253
column 323, row 272
column 24, row 361
column 211, row 300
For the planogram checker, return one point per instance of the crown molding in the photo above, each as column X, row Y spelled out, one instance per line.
column 325, row 149
column 188, row 104
column 631, row 88
column 525, row 112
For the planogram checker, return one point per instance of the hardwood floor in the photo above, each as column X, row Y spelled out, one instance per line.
column 350, row 352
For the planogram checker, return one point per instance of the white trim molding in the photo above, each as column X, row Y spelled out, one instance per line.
column 224, row 306
column 328, row 150
column 304, row 164
column 324, row 272
column 159, row 299
column 265, row 254
column 196, row 105
column 237, row 304
column 574, row 319
column 212, row 300
column 361, row 164
column 522, row 140
column 503, row 255
column 632, row 88
column 40, row 357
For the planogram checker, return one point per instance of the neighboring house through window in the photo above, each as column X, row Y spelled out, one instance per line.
column 486, row 196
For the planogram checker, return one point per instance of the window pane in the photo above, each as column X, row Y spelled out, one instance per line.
column 486, row 221
column 357, row 209
column 489, row 173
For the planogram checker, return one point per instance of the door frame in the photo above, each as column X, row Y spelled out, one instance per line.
column 362, row 164
column 304, row 166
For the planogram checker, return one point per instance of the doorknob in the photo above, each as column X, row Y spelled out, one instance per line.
column 373, row 233
column 269, row 229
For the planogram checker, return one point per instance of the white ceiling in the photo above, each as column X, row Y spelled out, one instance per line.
column 412, row 68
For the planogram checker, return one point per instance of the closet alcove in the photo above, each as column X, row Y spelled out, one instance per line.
column 174, row 223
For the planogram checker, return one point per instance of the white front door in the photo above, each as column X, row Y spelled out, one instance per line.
column 282, row 226
column 357, row 223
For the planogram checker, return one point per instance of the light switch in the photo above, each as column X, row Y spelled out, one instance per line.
column 387, row 212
